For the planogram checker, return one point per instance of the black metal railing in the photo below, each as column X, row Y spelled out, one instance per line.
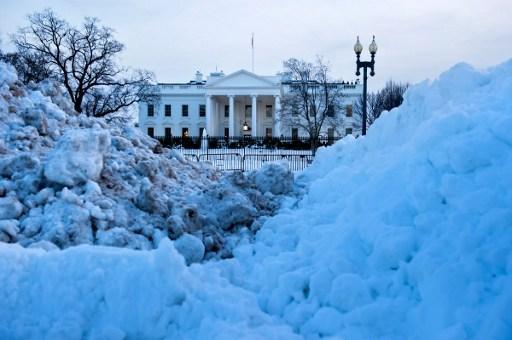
column 241, row 142
column 247, row 152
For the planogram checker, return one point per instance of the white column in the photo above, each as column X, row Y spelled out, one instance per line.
column 232, row 115
column 277, row 116
column 254, row 116
column 209, row 123
column 216, row 119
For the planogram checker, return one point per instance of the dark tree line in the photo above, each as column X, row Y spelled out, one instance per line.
column 84, row 60
column 388, row 98
column 28, row 67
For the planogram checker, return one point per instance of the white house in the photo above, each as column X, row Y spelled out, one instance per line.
column 229, row 105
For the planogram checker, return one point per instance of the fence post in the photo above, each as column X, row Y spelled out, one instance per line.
column 243, row 156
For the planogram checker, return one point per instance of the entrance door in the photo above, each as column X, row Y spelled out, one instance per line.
column 247, row 117
column 248, row 113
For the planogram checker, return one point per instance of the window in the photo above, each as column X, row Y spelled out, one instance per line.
column 184, row 110
column 348, row 131
column 226, row 132
column 226, row 110
column 168, row 132
column 167, row 110
column 330, row 134
column 295, row 133
column 184, row 132
column 151, row 110
column 202, row 132
column 330, row 110
column 248, row 112
column 312, row 110
column 202, row 110
column 348, row 111
column 151, row 132
column 268, row 132
column 268, row 111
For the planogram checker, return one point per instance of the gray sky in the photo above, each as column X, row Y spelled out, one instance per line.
column 417, row 39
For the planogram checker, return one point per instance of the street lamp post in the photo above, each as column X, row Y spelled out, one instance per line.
column 358, row 48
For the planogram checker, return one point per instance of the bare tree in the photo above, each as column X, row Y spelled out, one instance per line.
column 386, row 99
column 373, row 108
column 84, row 60
column 311, row 100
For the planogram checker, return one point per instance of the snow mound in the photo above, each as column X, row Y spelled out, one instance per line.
column 403, row 234
column 94, row 292
column 68, row 179
column 406, row 233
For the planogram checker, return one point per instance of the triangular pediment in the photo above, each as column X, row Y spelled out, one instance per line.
column 241, row 78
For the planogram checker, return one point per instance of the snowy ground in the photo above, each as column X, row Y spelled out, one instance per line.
column 405, row 233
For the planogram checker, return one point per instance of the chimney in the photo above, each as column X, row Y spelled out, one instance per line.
column 199, row 77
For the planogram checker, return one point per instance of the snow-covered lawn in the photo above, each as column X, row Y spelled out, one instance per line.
column 403, row 234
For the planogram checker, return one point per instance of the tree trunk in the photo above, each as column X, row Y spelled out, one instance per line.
column 314, row 145
column 78, row 105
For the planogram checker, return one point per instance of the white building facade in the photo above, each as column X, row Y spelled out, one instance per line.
column 241, row 103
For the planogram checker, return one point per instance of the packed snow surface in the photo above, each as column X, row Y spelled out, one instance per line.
column 403, row 234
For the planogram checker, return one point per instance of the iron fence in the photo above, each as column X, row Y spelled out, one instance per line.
column 247, row 152
column 239, row 142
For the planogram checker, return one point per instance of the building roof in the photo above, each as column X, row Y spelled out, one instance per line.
column 216, row 78
column 244, row 74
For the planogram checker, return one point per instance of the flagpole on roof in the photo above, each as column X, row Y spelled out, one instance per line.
column 252, row 50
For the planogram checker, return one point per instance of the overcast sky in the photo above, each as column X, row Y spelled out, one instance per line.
column 417, row 39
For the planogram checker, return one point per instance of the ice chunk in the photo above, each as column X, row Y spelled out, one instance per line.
column 46, row 245
column 9, row 230
column 348, row 291
column 78, row 157
column 120, row 237
column 66, row 224
column 190, row 247
column 326, row 321
column 10, row 208
column 17, row 164
column 274, row 177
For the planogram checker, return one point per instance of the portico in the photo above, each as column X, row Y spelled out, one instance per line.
column 226, row 115
column 239, row 99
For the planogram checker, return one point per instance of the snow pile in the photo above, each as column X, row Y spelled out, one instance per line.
column 94, row 292
column 406, row 233
column 66, row 179
column 403, row 234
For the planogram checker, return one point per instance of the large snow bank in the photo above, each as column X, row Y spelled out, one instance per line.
column 403, row 234
column 406, row 233
column 94, row 292
column 68, row 179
